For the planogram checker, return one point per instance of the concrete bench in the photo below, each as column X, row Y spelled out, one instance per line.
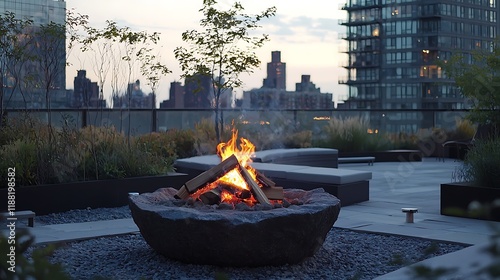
column 319, row 157
column 369, row 160
column 350, row 186
column 27, row 214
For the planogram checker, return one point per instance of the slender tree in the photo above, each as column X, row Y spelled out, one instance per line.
column 14, row 41
column 479, row 81
column 121, row 52
column 223, row 50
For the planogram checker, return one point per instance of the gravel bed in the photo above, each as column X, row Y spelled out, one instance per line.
column 84, row 215
column 345, row 254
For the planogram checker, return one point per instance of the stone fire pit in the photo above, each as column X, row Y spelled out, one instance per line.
column 202, row 234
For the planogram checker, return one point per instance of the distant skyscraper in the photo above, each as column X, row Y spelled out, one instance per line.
column 176, row 97
column 134, row 98
column 86, row 93
column 276, row 72
column 306, row 96
column 198, row 92
column 306, row 85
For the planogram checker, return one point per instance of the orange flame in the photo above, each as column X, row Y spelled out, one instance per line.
column 243, row 152
column 244, row 155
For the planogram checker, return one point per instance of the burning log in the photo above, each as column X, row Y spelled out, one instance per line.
column 274, row 193
column 269, row 187
column 211, row 197
column 254, row 187
column 207, row 177
column 264, row 180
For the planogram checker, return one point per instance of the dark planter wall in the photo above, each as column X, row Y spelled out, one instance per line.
column 456, row 198
column 46, row 199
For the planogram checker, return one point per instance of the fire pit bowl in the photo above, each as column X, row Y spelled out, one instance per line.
column 202, row 234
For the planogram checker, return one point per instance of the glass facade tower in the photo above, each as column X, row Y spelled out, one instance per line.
column 41, row 12
column 393, row 47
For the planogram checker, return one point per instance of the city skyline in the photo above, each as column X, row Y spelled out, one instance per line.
column 306, row 35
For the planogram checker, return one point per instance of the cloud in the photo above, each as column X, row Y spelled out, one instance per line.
column 303, row 29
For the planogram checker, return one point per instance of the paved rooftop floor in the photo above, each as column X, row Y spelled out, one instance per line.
column 394, row 186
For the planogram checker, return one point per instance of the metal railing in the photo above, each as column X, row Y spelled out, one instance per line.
column 143, row 121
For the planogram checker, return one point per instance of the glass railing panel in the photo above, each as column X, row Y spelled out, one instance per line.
column 125, row 121
column 257, row 125
column 313, row 120
column 260, row 122
column 58, row 118
column 181, row 119
column 447, row 120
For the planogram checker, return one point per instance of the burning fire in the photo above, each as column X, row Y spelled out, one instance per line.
column 233, row 178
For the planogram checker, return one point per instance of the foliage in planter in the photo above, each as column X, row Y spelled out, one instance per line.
column 479, row 81
column 205, row 137
column 351, row 135
column 481, row 164
column 173, row 143
column 403, row 140
column 108, row 154
column 28, row 146
column 464, row 129
column 301, row 139
column 46, row 155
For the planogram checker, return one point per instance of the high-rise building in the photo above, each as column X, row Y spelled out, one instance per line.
column 276, row 72
column 176, row 97
column 85, row 93
column 306, row 85
column 25, row 95
column 134, row 98
column 305, row 97
column 198, row 92
column 393, row 47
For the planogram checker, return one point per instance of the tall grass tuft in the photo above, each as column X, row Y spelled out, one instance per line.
column 352, row 135
column 481, row 164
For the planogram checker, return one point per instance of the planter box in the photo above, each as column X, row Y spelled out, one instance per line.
column 55, row 198
column 387, row 156
column 456, row 199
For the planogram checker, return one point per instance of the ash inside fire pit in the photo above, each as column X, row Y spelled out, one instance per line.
column 237, row 235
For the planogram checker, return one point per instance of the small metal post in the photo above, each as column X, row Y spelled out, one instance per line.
column 409, row 213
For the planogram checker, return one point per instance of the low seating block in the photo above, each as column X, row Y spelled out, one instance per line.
column 369, row 160
column 27, row 214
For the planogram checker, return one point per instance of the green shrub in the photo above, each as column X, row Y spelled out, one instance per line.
column 108, row 154
column 481, row 164
column 403, row 140
column 351, row 135
column 205, row 138
column 24, row 127
column 172, row 143
column 301, row 139
column 44, row 155
column 464, row 129
column 21, row 155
